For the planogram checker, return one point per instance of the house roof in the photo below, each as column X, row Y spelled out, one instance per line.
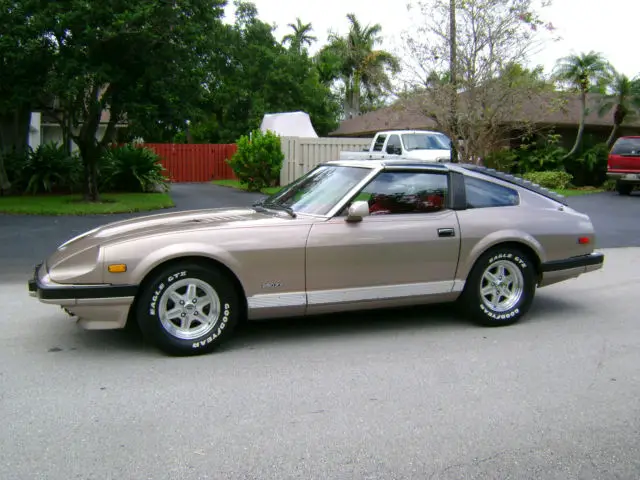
column 563, row 110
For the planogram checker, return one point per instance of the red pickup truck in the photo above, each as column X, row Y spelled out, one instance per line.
column 623, row 164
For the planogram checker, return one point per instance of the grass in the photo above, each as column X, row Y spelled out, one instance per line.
column 573, row 192
column 237, row 185
column 73, row 204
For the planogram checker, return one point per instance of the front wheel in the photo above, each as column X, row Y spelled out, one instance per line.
column 500, row 287
column 188, row 309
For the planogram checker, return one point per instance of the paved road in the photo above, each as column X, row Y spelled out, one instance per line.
column 402, row 395
column 616, row 218
column 26, row 240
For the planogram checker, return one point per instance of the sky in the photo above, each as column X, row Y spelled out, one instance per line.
column 610, row 27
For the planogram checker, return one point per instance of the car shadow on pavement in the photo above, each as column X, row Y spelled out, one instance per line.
column 367, row 324
column 362, row 325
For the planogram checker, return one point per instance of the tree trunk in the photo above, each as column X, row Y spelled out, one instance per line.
column 14, row 138
column 618, row 117
column 453, row 78
column 90, row 153
column 612, row 137
column 583, row 116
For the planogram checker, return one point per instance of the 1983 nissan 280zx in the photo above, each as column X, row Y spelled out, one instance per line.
column 348, row 235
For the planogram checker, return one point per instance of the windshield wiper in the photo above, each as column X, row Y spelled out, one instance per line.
column 262, row 206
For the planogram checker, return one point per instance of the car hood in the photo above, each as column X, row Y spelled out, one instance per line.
column 83, row 250
column 171, row 222
column 429, row 154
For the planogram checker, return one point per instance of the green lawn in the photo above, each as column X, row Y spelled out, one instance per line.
column 572, row 192
column 236, row 184
column 72, row 204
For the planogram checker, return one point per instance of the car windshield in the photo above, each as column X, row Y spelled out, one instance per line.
column 626, row 146
column 318, row 191
column 424, row 141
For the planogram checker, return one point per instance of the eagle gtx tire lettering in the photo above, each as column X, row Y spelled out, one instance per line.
column 500, row 287
column 189, row 309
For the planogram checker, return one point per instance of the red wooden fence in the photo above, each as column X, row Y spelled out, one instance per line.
column 195, row 162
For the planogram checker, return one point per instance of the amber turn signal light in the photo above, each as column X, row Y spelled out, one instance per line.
column 117, row 268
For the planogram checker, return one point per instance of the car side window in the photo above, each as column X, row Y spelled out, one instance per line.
column 483, row 194
column 406, row 192
column 377, row 147
column 394, row 147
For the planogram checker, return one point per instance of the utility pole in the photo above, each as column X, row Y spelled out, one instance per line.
column 452, row 79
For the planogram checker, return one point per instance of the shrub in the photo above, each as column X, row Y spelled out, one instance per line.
column 131, row 168
column 542, row 156
column 14, row 163
column 503, row 160
column 609, row 185
column 258, row 160
column 46, row 169
column 555, row 179
column 590, row 167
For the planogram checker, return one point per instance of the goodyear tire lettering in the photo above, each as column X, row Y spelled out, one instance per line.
column 211, row 338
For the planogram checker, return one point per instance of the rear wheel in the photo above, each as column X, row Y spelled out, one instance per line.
column 188, row 309
column 624, row 188
column 500, row 287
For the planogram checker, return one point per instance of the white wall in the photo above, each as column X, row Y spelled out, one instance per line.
column 53, row 133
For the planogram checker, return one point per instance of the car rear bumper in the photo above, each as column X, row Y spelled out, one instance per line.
column 624, row 176
column 96, row 306
column 559, row 270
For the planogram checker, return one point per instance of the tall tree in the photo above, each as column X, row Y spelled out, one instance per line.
column 258, row 75
column 623, row 97
column 364, row 68
column 462, row 71
column 127, row 60
column 580, row 72
column 25, row 57
column 300, row 37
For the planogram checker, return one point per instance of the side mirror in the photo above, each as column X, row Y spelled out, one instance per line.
column 357, row 211
column 393, row 150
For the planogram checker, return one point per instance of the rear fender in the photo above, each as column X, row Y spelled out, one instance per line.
column 467, row 261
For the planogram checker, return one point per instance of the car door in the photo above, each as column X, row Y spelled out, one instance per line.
column 408, row 247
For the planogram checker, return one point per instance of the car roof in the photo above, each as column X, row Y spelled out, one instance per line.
column 405, row 132
column 463, row 168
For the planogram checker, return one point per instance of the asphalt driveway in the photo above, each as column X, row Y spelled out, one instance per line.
column 26, row 239
column 616, row 218
column 412, row 393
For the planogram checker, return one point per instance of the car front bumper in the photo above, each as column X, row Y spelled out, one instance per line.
column 559, row 270
column 96, row 306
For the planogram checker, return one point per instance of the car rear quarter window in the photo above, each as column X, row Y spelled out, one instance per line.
column 484, row 194
column 626, row 146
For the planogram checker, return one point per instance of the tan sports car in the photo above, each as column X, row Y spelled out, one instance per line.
column 348, row 235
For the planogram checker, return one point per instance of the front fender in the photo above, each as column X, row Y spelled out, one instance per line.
column 142, row 265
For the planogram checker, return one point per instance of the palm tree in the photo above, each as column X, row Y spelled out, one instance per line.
column 363, row 67
column 300, row 35
column 581, row 72
column 623, row 99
